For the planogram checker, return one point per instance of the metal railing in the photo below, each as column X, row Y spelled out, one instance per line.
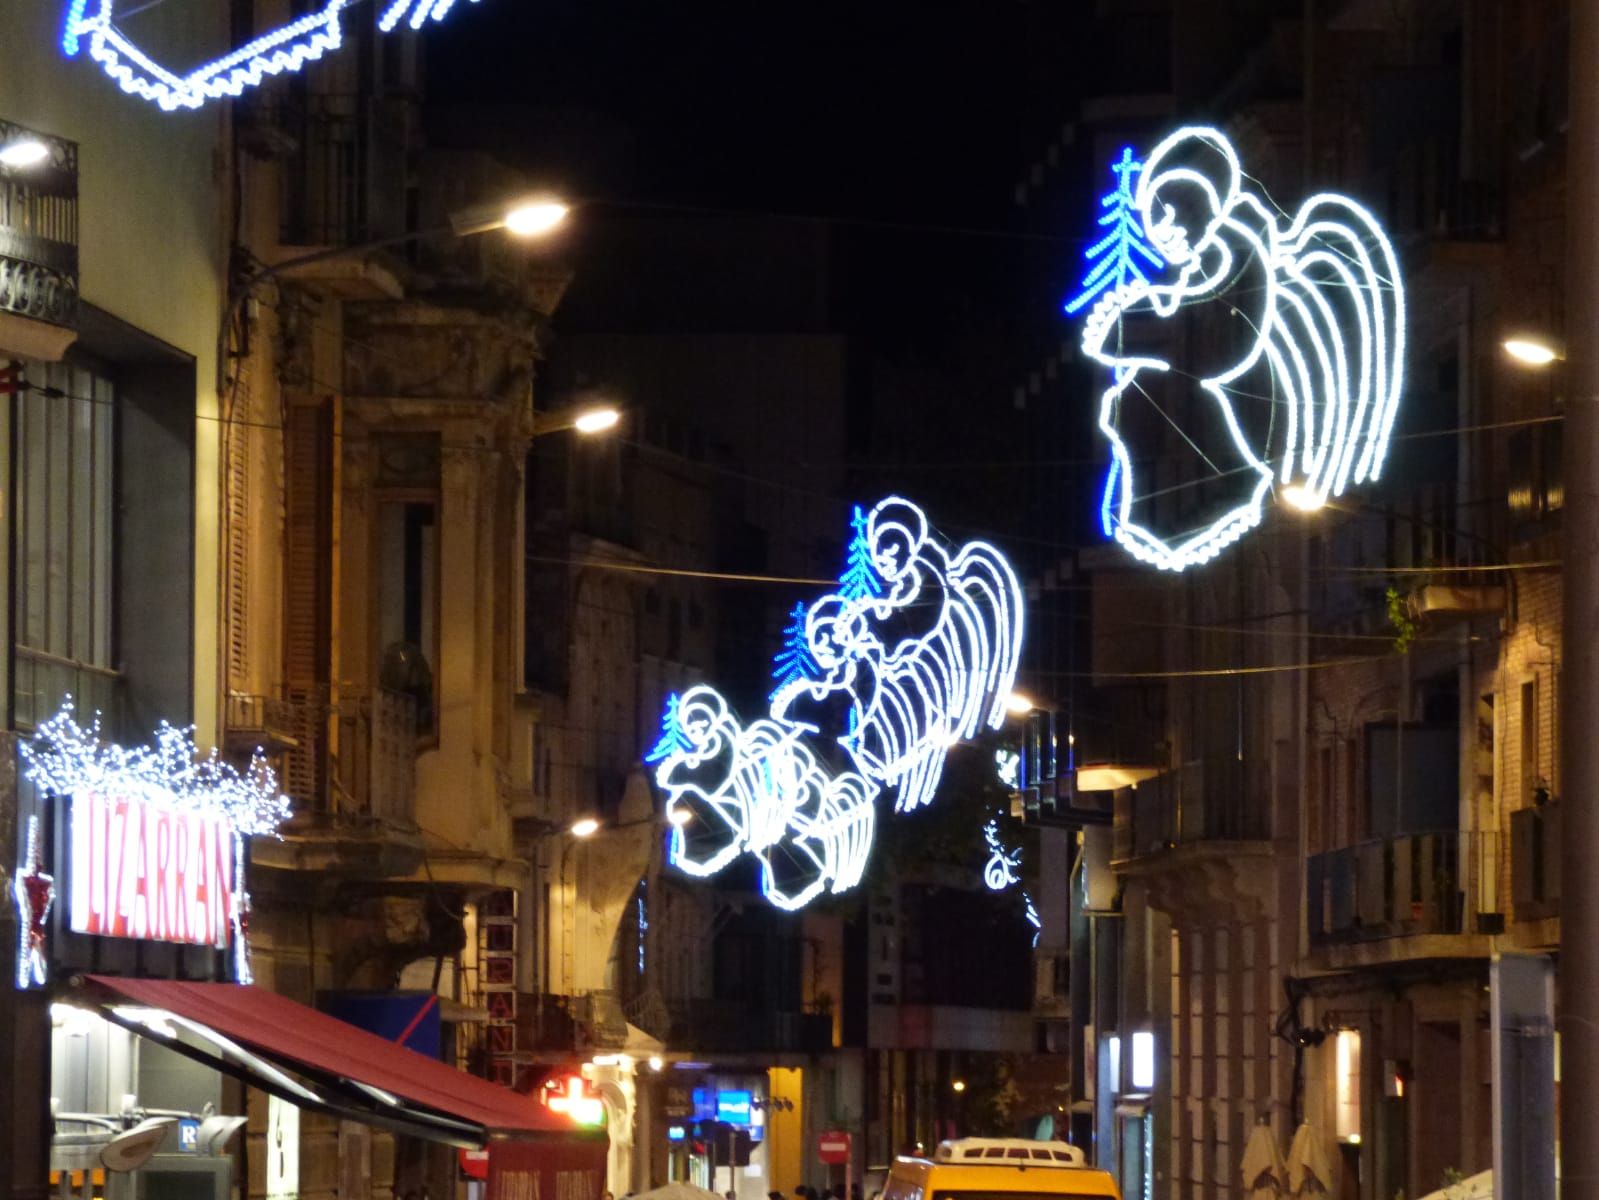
column 346, row 180
column 1420, row 883
column 39, row 232
column 354, row 759
column 1204, row 801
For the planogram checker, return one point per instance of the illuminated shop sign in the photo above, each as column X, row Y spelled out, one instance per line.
column 143, row 870
column 156, row 839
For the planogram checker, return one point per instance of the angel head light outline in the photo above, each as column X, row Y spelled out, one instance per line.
column 1326, row 325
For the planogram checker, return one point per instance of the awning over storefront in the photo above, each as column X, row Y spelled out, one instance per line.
column 316, row 1061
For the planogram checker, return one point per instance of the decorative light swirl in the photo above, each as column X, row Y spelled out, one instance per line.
column 1001, row 870
column 1328, row 326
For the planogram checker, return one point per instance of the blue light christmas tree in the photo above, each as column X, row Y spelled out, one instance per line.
column 1116, row 255
column 673, row 736
column 859, row 579
column 794, row 660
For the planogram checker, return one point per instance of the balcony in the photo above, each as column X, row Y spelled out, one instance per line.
column 39, row 250
column 1535, row 861
column 349, row 769
column 1198, row 839
column 1412, row 897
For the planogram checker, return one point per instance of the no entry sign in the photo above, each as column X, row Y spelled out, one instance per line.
column 833, row 1147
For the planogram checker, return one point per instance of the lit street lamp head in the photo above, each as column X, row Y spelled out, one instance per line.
column 586, row 827
column 1018, row 704
column 529, row 217
column 535, row 218
column 24, row 152
column 1303, row 498
column 1531, row 351
column 596, row 420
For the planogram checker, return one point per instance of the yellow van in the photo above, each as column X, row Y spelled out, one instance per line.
column 998, row 1169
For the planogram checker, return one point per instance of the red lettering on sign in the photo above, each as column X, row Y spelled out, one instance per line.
column 142, row 869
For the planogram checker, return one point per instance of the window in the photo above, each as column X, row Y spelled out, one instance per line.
column 65, row 491
column 1142, row 1078
column 1530, row 780
column 407, row 547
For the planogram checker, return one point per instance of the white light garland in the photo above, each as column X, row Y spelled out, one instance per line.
column 285, row 49
column 69, row 760
column 1328, row 321
column 66, row 758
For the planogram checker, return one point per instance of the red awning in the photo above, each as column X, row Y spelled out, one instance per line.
column 317, row 1046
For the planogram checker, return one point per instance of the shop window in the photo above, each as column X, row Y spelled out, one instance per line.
column 65, row 503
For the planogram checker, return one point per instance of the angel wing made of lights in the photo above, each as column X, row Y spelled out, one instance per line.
column 1330, row 330
column 286, row 48
column 914, row 693
column 733, row 788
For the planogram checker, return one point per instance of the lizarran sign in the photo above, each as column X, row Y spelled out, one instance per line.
column 141, row 869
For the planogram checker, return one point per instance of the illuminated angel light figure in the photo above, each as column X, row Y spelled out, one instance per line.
column 912, row 694
column 287, row 48
column 758, row 788
column 1324, row 305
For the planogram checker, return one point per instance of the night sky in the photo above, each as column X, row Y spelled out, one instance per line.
column 899, row 130
column 894, row 110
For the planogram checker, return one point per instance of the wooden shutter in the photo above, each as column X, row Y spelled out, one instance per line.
column 307, row 591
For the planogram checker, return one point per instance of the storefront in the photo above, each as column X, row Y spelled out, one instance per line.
column 134, row 935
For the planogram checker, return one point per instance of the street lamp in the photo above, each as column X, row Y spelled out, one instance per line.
column 524, row 217
column 23, row 152
column 584, row 419
column 1018, row 704
column 1303, row 498
column 1531, row 350
column 584, row 827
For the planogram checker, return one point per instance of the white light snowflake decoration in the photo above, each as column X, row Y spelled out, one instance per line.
column 285, row 49
column 1324, row 301
column 925, row 662
column 917, row 648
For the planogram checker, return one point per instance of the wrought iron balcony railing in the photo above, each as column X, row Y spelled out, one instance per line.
column 39, row 232
column 1202, row 801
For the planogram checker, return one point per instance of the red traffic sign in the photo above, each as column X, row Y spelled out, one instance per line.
column 833, row 1147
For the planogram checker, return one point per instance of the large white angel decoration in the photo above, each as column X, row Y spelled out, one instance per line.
column 925, row 660
column 1304, row 388
column 733, row 789
column 917, row 649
